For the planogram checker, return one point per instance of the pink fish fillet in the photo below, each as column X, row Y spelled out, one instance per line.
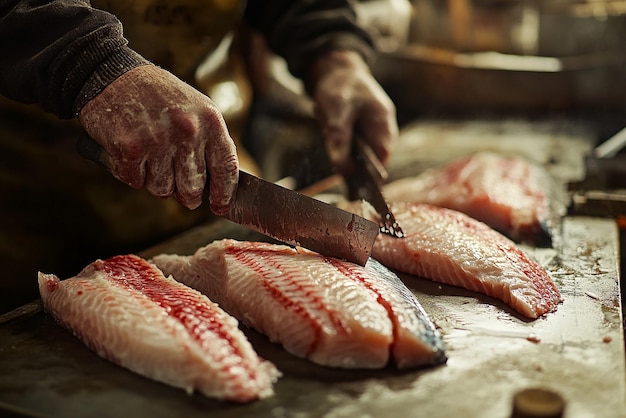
column 508, row 193
column 332, row 312
column 129, row 313
column 448, row 246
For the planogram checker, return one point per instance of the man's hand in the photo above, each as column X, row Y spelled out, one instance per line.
column 162, row 134
column 348, row 99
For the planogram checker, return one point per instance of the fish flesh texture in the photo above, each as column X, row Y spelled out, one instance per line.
column 450, row 247
column 509, row 193
column 125, row 309
column 332, row 312
column 129, row 313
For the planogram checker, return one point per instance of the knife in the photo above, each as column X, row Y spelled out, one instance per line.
column 285, row 215
column 365, row 182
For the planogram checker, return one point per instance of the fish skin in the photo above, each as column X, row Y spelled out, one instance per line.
column 126, row 311
column 450, row 247
column 509, row 193
column 308, row 303
column 416, row 341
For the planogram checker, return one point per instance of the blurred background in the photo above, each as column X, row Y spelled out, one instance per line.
column 467, row 59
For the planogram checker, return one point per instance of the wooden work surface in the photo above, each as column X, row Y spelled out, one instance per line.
column 577, row 351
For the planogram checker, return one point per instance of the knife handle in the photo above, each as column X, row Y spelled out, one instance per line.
column 88, row 148
column 373, row 165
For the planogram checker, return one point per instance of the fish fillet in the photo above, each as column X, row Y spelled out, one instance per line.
column 416, row 342
column 129, row 313
column 332, row 312
column 448, row 246
column 508, row 193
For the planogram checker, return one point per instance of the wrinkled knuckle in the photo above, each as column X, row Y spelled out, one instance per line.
column 231, row 165
column 213, row 118
column 184, row 124
column 132, row 148
column 226, row 162
column 188, row 129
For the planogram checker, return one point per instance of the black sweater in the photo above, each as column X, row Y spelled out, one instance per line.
column 60, row 54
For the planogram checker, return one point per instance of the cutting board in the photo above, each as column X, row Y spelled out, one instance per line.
column 577, row 351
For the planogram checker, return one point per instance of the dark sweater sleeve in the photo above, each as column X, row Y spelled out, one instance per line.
column 60, row 54
column 299, row 31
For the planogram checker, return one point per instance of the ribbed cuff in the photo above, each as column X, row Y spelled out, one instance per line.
column 110, row 68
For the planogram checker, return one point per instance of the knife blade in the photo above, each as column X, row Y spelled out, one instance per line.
column 285, row 215
column 300, row 220
column 366, row 181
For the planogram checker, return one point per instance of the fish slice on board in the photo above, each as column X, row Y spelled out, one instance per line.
column 450, row 247
column 332, row 312
column 509, row 193
column 129, row 313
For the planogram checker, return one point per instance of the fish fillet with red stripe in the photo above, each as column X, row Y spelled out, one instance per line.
column 129, row 313
column 508, row 193
column 416, row 342
column 330, row 311
column 448, row 246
